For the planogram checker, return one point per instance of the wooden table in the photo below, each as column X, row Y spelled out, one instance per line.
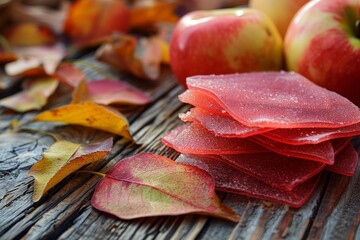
column 333, row 212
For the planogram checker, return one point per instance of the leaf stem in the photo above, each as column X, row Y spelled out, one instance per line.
column 92, row 172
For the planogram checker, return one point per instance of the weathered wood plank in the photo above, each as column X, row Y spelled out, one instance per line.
column 339, row 213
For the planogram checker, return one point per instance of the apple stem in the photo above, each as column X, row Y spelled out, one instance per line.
column 353, row 21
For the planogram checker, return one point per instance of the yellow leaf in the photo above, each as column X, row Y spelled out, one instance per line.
column 62, row 159
column 46, row 169
column 89, row 114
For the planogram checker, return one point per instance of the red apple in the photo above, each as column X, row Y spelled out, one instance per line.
column 224, row 41
column 279, row 11
column 323, row 44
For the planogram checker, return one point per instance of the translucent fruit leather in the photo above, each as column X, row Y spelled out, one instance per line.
column 220, row 124
column 284, row 173
column 230, row 179
column 276, row 100
column 346, row 161
column 194, row 139
column 224, row 125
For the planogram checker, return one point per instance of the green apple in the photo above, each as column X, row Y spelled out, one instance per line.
column 279, row 11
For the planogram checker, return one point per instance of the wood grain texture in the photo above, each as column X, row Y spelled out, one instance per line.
column 333, row 212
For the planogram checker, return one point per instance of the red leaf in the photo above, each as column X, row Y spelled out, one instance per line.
column 69, row 75
column 151, row 185
column 108, row 92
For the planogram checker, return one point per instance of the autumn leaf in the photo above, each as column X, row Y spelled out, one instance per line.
column 34, row 96
column 6, row 57
column 108, row 92
column 89, row 114
column 69, row 75
column 163, row 37
column 42, row 60
column 62, row 159
column 30, row 34
column 140, row 57
column 6, row 52
column 151, row 185
column 80, row 93
column 158, row 11
column 43, row 12
column 89, row 22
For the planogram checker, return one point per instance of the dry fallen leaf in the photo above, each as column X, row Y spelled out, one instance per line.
column 30, row 34
column 89, row 114
column 34, row 97
column 47, row 12
column 6, row 57
column 141, row 57
column 149, row 14
column 6, row 52
column 108, row 92
column 80, row 93
column 151, row 185
column 42, row 60
column 89, row 22
column 62, row 159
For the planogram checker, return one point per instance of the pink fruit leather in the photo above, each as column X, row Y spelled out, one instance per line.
column 322, row 152
column 284, row 173
column 220, row 124
column 232, row 180
column 299, row 136
column 201, row 100
column 346, row 161
column 194, row 139
column 339, row 144
column 277, row 100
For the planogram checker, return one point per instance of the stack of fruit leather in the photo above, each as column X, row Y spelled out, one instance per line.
column 267, row 135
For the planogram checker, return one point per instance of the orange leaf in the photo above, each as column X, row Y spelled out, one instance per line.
column 140, row 57
column 6, row 57
column 30, row 34
column 108, row 92
column 80, row 93
column 159, row 11
column 89, row 114
column 33, row 97
column 62, row 159
column 152, row 185
column 90, row 21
